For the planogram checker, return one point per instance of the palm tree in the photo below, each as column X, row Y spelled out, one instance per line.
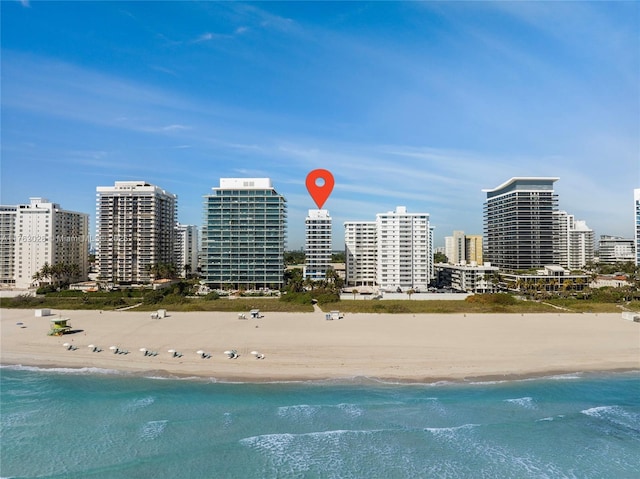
column 354, row 291
column 410, row 292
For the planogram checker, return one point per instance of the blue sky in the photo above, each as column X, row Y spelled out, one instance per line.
column 419, row 104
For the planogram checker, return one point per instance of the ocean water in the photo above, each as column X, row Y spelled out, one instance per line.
column 102, row 424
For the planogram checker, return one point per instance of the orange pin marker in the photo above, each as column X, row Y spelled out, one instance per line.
column 320, row 192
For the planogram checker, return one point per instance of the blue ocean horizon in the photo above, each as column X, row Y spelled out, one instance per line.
column 66, row 423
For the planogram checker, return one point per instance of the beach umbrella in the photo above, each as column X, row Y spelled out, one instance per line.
column 143, row 350
column 255, row 353
column 200, row 352
column 228, row 353
column 171, row 351
column 91, row 346
column 113, row 348
column 66, row 345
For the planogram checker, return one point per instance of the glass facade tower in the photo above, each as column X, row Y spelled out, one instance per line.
column 243, row 235
column 520, row 227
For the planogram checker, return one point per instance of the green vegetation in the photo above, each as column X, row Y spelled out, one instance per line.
column 489, row 303
column 59, row 274
column 337, row 257
column 300, row 295
column 294, row 257
column 439, row 258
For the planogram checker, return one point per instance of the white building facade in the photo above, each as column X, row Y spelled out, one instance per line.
column 361, row 253
column 42, row 233
column 135, row 231
column 317, row 245
column 186, row 249
column 455, row 248
column 615, row 249
column 405, row 250
column 469, row 278
column 575, row 242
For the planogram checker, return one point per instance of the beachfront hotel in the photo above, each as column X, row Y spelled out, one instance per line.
column 135, row 230
column 636, row 202
column 361, row 253
column 520, row 226
column 186, row 249
column 317, row 246
column 243, row 235
column 37, row 233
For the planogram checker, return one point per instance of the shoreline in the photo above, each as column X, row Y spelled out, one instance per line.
column 305, row 347
column 163, row 375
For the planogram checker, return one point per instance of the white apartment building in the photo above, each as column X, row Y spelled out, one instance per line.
column 636, row 201
column 405, row 250
column 470, row 278
column 317, row 244
column 614, row 249
column 38, row 233
column 581, row 245
column 361, row 253
column 186, row 249
column 135, row 230
column 575, row 242
column 455, row 249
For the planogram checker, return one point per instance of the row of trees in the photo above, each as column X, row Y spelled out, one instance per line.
column 57, row 274
column 298, row 257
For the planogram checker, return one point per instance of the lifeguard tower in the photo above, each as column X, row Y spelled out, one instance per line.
column 59, row 327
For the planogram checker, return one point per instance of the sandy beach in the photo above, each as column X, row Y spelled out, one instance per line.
column 305, row 346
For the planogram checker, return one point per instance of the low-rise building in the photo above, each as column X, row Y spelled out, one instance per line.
column 550, row 279
column 471, row 278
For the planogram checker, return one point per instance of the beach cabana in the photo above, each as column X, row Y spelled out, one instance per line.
column 59, row 327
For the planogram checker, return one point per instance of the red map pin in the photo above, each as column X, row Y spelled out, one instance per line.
column 320, row 192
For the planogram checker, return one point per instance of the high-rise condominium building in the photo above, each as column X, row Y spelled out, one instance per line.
column 243, row 235
column 42, row 233
column 473, row 249
column 614, row 249
column 8, row 215
column 575, row 242
column 186, row 249
column 361, row 253
column 463, row 249
column 405, row 250
column 456, row 248
column 135, row 230
column 317, row 246
column 519, row 223
column 636, row 201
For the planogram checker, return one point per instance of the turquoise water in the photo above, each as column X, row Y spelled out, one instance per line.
column 91, row 423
